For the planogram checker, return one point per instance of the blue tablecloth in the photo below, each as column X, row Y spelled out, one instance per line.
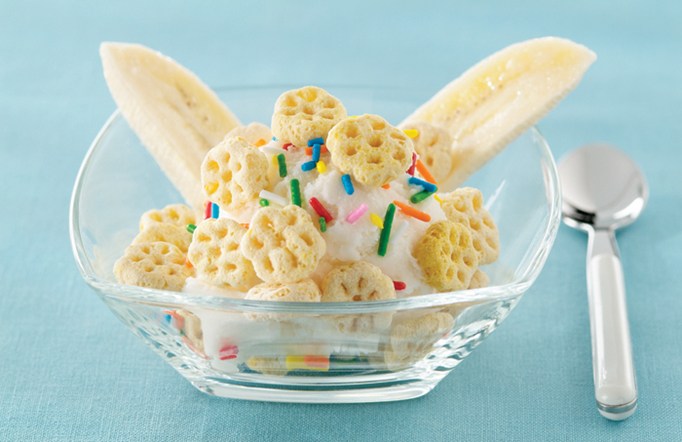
column 70, row 371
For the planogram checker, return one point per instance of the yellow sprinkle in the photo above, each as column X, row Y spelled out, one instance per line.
column 321, row 167
column 437, row 198
column 296, row 362
column 261, row 142
column 274, row 160
column 377, row 220
column 412, row 133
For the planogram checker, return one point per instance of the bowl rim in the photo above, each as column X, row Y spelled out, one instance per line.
column 159, row 297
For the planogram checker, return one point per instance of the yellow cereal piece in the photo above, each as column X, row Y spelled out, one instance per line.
column 376, row 220
column 283, row 244
column 413, row 338
column 170, row 233
column 465, row 206
column 270, row 365
column 256, row 134
column 479, row 280
column 434, row 146
column 177, row 214
column 301, row 291
column 233, row 173
column 321, row 167
column 214, row 253
column 357, row 281
column 158, row 265
column 446, row 256
column 369, row 149
column 191, row 329
column 306, row 113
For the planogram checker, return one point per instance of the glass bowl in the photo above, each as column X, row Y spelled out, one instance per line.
column 305, row 352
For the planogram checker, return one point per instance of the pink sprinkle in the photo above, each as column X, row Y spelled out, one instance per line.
column 414, row 163
column 228, row 351
column 357, row 213
column 399, row 285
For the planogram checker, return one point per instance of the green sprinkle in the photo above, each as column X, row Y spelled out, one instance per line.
column 386, row 231
column 420, row 196
column 323, row 224
column 191, row 228
column 295, row 192
column 264, row 202
column 282, row 165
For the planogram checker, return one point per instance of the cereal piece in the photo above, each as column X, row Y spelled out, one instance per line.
column 190, row 327
column 177, row 214
column 233, row 173
column 446, row 256
column 270, row 365
column 479, row 280
column 158, row 265
column 170, row 233
column 257, row 134
column 434, row 146
column 465, row 205
column 283, row 244
column 370, row 149
column 215, row 254
column 412, row 339
column 303, row 114
column 302, row 291
column 358, row 281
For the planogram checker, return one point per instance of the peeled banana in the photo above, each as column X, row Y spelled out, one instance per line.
column 175, row 115
column 500, row 97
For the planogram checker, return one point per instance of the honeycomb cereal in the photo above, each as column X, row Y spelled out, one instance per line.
column 358, row 281
column 479, row 280
column 369, row 149
column 306, row 113
column 177, row 214
column 189, row 325
column 170, row 233
column 283, row 244
column 215, row 254
column 233, row 173
column 465, row 205
column 434, row 146
column 158, row 265
column 446, row 256
column 271, row 365
column 302, row 291
column 257, row 134
column 413, row 338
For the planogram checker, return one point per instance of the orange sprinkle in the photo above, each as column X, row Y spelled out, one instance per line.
column 309, row 150
column 245, row 225
column 261, row 142
column 425, row 172
column 411, row 211
column 188, row 264
column 386, row 186
column 316, row 361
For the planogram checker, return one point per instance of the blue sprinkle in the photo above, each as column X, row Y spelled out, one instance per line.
column 274, row 138
column 347, row 184
column 167, row 318
column 429, row 187
column 215, row 211
column 316, row 152
column 308, row 166
column 318, row 140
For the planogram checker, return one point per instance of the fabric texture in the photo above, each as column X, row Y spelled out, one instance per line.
column 69, row 371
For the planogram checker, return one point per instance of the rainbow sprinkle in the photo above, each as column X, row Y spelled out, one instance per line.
column 420, row 196
column 316, row 152
column 413, row 165
column 273, row 197
column 261, row 142
column 228, row 351
column 207, row 210
column 286, row 146
column 295, row 192
column 313, row 141
column 321, row 167
column 437, row 198
column 399, row 285
column 215, row 211
column 347, row 184
column 319, row 208
column 307, row 362
column 191, row 228
column 357, row 213
column 376, row 220
column 282, row 165
column 308, row 166
column 411, row 211
column 412, row 133
column 424, row 171
column 429, row 187
column 323, row 224
column 264, row 203
column 386, row 231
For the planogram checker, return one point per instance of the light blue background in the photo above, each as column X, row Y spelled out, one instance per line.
column 70, row 371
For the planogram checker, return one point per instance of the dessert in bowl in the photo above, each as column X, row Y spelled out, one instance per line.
column 261, row 341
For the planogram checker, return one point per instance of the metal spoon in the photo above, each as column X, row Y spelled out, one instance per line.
column 604, row 190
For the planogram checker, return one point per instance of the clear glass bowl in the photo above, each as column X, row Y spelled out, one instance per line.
column 302, row 352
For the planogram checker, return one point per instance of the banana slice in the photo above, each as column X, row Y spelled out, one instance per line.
column 502, row 96
column 176, row 116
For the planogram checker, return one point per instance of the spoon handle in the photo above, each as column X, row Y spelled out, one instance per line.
column 614, row 373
